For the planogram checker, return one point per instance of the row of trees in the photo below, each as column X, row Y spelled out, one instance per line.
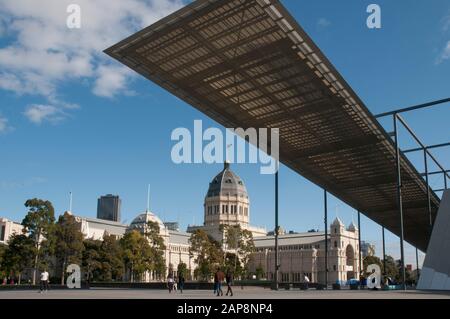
column 391, row 268
column 232, row 254
column 52, row 244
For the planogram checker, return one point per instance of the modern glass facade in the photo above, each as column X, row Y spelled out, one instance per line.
column 108, row 207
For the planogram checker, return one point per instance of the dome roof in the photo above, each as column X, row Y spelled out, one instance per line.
column 227, row 183
column 141, row 221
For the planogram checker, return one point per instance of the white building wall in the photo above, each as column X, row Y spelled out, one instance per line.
column 8, row 228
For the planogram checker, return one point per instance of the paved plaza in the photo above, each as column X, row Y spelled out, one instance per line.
column 247, row 293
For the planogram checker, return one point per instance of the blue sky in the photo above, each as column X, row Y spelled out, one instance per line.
column 73, row 120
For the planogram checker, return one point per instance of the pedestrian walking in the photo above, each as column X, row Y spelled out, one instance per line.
column 306, row 281
column 219, row 277
column 229, row 280
column 216, row 282
column 170, row 282
column 181, row 282
column 44, row 281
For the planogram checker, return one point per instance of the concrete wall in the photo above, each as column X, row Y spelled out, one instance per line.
column 435, row 274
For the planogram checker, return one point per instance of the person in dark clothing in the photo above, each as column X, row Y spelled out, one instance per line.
column 229, row 280
column 215, row 283
column 181, row 282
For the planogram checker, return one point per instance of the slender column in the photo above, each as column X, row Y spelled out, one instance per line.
column 400, row 203
column 417, row 265
column 384, row 253
column 277, row 266
column 425, row 159
column 359, row 243
column 325, row 204
column 445, row 180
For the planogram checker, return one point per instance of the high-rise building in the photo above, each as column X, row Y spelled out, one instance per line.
column 108, row 207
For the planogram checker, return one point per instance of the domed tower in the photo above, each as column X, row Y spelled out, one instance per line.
column 337, row 227
column 227, row 202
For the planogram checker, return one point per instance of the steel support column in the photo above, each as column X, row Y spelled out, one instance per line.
column 384, row 252
column 425, row 160
column 359, row 245
column 325, row 205
column 277, row 230
column 417, row 265
column 400, row 204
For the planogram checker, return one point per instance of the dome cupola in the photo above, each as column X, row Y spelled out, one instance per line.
column 227, row 183
column 226, row 202
column 141, row 221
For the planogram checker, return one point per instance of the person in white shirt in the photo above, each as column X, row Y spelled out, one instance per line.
column 306, row 281
column 170, row 282
column 44, row 281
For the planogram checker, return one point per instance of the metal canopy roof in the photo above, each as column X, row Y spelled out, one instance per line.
column 247, row 63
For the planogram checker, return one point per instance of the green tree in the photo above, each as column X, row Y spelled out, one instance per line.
column 231, row 238
column 231, row 265
column 3, row 248
column 408, row 274
column 111, row 257
column 18, row 255
column 69, row 243
column 157, row 248
column 182, row 269
column 391, row 269
column 259, row 272
column 241, row 242
column 137, row 253
column 246, row 248
column 370, row 260
column 38, row 224
column 91, row 260
column 208, row 254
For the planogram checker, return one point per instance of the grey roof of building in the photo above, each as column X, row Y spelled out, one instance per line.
column 290, row 239
column 112, row 227
column 177, row 237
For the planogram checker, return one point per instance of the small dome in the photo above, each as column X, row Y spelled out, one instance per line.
column 338, row 222
column 227, row 183
column 352, row 227
column 141, row 221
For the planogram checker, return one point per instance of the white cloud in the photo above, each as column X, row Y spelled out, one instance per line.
column 110, row 80
column 38, row 113
column 44, row 54
column 446, row 23
column 3, row 124
column 323, row 22
column 445, row 54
